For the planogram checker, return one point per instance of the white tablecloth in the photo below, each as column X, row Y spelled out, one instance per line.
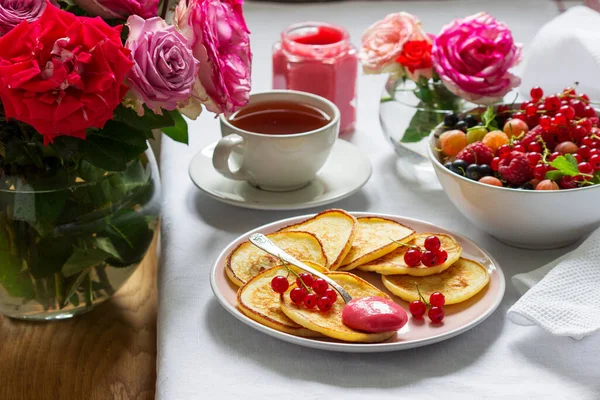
column 205, row 353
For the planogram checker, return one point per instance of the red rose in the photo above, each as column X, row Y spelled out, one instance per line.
column 62, row 74
column 416, row 54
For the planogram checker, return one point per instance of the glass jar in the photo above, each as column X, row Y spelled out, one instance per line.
column 318, row 58
column 67, row 246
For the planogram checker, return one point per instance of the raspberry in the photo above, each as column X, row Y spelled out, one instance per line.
column 476, row 153
column 533, row 135
column 515, row 168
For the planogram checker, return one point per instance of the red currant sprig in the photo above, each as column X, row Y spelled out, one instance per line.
column 418, row 308
column 432, row 255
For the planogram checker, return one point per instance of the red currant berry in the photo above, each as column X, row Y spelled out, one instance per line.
column 536, row 93
column 436, row 299
column 495, row 163
column 579, row 133
column 531, row 110
column 577, row 158
column 539, row 172
column 532, row 121
column 595, row 144
column 552, row 103
column 585, row 168
column 534, row 147
column 545, row 121
column 593, row 152
column 504, row 151
column 579, row 108
column 324, row 303
column 279, row 284
column 590, row 112
column 585, row 98
column 567, row 182
column 428, row 258
column 568, row 112
column 412, row 257
column 520, row 116
column 331, row 294
column 554, row 156
column 502, row 110
column 560, row 119
column 432, row 243
column 520, row 148
column 587, row 141
column 306, row 278
column 441, row 256
column 525, row 105
column 417, row 308
column 584, row 151
column 320, row 286
column 586, row 124
column 569, row 91
column 310, row 300
column 436, row 314
column 534, row 159
column 564, row 103
column 297, row 295
column 595, row 162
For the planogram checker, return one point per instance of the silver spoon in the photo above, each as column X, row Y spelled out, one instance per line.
column 265, row 244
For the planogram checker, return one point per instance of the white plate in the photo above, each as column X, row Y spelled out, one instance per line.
column 459, row 317
column 347, row 169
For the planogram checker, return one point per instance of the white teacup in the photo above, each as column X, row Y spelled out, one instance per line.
column 277, row 162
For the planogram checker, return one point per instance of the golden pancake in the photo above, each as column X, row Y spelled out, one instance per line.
column 247, row 260
column 458, row 283
column 335, row 229
column 393, row 263
column 330, row 323
column 260, row 302
column 374, row 240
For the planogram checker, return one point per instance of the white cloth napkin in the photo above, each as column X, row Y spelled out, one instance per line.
column 563, row 296
column 564, row 51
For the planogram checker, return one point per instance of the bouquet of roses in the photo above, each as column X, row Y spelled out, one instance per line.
column 83, row 83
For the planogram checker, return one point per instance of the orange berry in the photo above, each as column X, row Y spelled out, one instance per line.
column 453, row 142
column 547, row 184
column 515, row 127
column 490, row 180
column 495, row 139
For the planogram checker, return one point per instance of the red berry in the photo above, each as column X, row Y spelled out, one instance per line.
column 504, row 151
column 585, row 98
column 306, row 278
column 495, row 163
column 531, row 110
column 525, row 105
column 331, row 294
column 417, row 308
column 554, row 156
column 568, row 112
column 585, row 168
column 539, row 172
column 586, row 124
column 324, row 303
column 476, row 153
column 532, row 120
column 577, row 158
column 319, row 286
column 297, row 295
column 279, row 284
column 569, row 91
column 593, row 152
column 536, row 93
column 584, row 151
column 310, row 300
column 586, row 140
column 560, row 119
column 567, row 182
column 595, row 144
column 428, row 258
column 515, row 168
column 520, row 148
column 590, row 112
column 579, row 133
column 534, row 159
column 441, row 256
column 436, row 314
column 545, row 121
column 412, row 257
column 579, row 108
column 595, row 162
column 436, row 299
column 520, row 116
column 552, row 103
column 534, row 147
column 432, row 243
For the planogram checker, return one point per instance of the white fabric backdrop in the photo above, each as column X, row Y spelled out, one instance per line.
column 204, row 353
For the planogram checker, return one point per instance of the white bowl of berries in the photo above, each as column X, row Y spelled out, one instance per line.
column 528, row 174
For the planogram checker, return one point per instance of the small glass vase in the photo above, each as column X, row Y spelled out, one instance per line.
column 409, row 111
column 66, row 248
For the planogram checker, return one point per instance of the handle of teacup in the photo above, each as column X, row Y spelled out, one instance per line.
column 222, row 153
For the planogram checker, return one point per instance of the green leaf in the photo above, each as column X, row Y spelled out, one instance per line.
column 82, row 259
column 488, row 116
column 13, row 278
column 421, row 125
column 179, row 132
column 103, row 153
column 49, row 255
column 104, row 244
column 554, row 175
column 131, row 140
column 129, row 235
column 148, row 121
column 566, row 165
column 74, row 286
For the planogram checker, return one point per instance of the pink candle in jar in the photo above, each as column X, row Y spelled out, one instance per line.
column 318, row 58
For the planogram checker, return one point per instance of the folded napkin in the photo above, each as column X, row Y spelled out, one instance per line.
column 564, row 51
column 562, row 297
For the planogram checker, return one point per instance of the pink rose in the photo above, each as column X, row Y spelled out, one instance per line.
column 383, row 42
column 165, row 68
column 218, row 34
column 473, row 56
column 111, row 9
column 13, row 12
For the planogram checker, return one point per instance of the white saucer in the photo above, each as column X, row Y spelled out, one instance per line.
column 346, row 171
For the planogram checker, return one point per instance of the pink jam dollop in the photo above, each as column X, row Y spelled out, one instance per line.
column 373, row 314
